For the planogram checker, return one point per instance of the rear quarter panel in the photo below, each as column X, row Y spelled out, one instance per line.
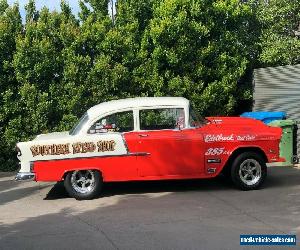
column 223, row 139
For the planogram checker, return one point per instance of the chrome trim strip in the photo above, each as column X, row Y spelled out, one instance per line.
column 139, row 153
column 218, row 160
column 211, row 170
column 100, row 156
column 23, row 176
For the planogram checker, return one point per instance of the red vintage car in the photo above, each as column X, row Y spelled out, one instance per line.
column 158, row 138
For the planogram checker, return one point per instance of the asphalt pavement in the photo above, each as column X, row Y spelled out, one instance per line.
column 197, row 214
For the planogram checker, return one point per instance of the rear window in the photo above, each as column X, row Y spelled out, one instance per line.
column 165, row 118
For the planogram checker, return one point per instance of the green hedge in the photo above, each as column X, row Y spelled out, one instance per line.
column 55, row 65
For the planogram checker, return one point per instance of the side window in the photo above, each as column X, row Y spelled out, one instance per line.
column 117, row 122
column 167, row 118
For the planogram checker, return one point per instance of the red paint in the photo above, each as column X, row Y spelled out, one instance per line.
column 173, row 154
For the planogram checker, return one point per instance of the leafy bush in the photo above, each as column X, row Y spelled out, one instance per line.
column 55, row 65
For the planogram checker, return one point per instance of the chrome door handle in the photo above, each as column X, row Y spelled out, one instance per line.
column 143, row 135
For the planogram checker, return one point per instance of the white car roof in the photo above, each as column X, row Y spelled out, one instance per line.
column 137, row 102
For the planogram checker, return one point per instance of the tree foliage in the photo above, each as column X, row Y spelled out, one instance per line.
column 197, row 49
column 280, row 36
column 55, row 65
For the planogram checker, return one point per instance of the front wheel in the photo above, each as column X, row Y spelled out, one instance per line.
column 248, row 171
column 83, row 184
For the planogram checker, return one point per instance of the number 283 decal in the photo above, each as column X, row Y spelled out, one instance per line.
column 216, row 151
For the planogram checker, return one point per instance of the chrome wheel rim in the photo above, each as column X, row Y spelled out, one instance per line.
column 83, row 181
column 250, row 172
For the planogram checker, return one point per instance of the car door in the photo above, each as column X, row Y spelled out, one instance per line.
column 168, row 148
column 117, row 167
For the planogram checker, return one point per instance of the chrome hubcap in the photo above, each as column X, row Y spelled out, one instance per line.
column 250, row 172
column 83, row 181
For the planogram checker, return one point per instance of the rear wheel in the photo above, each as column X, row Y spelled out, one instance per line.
column 83, row 184
column 248, row 171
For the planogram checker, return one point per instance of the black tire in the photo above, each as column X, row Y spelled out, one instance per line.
column 86, row 191
column 242, row 175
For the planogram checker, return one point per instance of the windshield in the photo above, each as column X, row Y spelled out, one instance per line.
column 82, row 121
column 195, row 119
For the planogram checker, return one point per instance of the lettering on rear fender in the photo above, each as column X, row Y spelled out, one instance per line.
column 231, row 137
column 217, row 151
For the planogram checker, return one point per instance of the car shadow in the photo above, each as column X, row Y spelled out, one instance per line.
column 142, row 187
column 58, row 191
column 277, row 177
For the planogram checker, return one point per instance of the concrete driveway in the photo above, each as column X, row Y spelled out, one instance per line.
column 202, row 214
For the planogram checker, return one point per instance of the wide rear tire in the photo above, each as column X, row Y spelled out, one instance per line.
column 83, row 184
column 248, row 171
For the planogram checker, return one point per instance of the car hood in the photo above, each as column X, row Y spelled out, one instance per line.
column 55, row 135
column 247, row 126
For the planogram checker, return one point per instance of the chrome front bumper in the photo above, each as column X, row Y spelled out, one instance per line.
column 23, row 176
